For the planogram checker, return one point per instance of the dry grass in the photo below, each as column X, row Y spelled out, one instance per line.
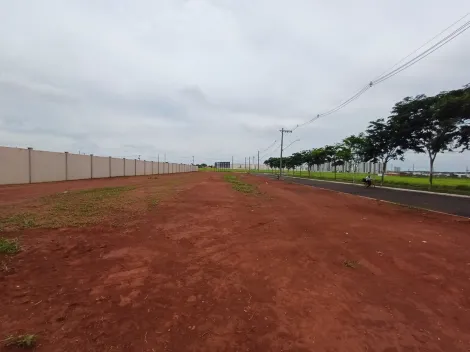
column 75, row 208
column 87, row 207
column 21, row 341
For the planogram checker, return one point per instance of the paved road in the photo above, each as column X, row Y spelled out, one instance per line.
column 447, row 204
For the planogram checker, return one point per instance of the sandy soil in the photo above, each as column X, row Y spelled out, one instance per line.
column 290, row 268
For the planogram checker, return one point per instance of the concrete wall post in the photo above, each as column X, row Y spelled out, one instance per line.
column 66, row 166
column 30, row 152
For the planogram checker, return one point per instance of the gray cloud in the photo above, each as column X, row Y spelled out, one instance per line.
column 212, row 78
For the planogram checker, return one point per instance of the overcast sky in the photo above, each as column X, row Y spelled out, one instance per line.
column 214, row 78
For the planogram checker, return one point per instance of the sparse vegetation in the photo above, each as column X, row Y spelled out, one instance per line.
column 4, row 267
column 353, row 264
column 22, row 341
column 78, row 208
column 9, row 246
column 19, row 221
column 152, row 203
column 74, row 208
column 239, row 185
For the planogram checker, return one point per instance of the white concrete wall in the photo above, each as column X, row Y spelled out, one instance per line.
column 117, row 167
column 19, row 166
column 148, row 167
column 130, row 167
column 78, row 167
column 140, row 167
column 101, row 167
column 158, row 168
column 14, row 166
column 47, row 166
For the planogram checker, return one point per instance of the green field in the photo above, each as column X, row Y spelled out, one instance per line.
column 440, row 184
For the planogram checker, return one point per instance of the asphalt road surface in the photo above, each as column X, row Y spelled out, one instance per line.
column 438, row 202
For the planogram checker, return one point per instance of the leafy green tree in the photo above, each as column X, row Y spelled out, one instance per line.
column 289, row 163
column 343, row 154
column 273, row 163
column 318, row 156
column 384, row 142
column 434, row 125
column 337, row 155
column 357, row 146
column 297, row 159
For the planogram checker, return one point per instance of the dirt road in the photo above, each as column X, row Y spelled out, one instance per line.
column 283, row 268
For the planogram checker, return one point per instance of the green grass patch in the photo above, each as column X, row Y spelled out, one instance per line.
column 239, row 185
column 21, row 341
column 9, row 246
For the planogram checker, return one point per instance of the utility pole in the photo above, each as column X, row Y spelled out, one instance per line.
column 249, row 163
column 193, row 159
column 231, row 166
column 282, row 146
column 258, row 160
column 245, row 163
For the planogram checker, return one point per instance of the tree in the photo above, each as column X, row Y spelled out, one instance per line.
column 337, row 154
column 318, row 156
column 356, row 144
column 297, row 159
column 383, row 143
column 273, row 163
column 289, row 163
column 313, row 157
column 343, row 154
column 434, row 125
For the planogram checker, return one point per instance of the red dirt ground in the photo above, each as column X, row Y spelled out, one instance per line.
column 212, row 269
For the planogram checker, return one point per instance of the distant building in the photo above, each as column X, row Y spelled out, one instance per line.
column 222, row 165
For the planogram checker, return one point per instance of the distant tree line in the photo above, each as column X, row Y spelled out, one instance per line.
column 422, row 124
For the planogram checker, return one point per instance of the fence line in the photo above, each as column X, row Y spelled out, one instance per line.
column 18, row 166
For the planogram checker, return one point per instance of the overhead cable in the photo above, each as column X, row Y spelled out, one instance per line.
column 384, row 76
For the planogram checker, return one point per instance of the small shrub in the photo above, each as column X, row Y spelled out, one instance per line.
column 9, row 246
column 23, row 341
column 350, row 264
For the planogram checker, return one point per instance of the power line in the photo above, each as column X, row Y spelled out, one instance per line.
column 397, row 70
column 270, row 152
column 425, row 53
column 270, row 146
column 422, row 46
